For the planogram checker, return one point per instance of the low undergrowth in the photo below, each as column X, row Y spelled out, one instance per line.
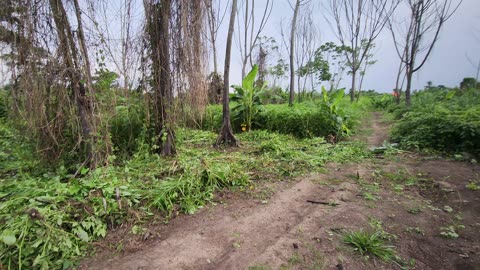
column 48, row 217
column 332, row 115
column 442, row 120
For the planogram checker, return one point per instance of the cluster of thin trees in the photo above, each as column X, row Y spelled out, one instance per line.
column 55, row 87
column 57, row 52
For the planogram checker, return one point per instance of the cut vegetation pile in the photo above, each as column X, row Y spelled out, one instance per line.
column 48, row 217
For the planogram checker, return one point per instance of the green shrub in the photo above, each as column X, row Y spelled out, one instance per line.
column 330, row 116
column 212, row 120
column 247, row 98
column 382, row 101
column 441, row 119
column 126, row 127
column 303, row 120
column 273, row 95
column 334, row 115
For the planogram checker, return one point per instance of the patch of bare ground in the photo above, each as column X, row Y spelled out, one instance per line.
column 300, row 224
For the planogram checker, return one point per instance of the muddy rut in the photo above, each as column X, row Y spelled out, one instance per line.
column 288, row 230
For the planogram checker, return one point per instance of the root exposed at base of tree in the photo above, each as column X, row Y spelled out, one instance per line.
column 167, row 143
column 226, row 137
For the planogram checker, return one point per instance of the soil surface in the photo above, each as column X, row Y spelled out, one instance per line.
column 300, row 224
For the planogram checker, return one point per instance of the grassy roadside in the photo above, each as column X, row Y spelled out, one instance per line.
column 48, row 218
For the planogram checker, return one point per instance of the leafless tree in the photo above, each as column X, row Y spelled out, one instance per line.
column 267, row 47
column 306, row 40
column 72, row 61
column 249, row 31
column 226, row 136
column 293, row 28
column 363, row 69
column 118, row 36
column 421, row 30
column 358, row 23
column 292, row 50
column 215, row 16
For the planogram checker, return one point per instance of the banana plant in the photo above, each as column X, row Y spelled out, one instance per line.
column 331, row 101
column 247, row 97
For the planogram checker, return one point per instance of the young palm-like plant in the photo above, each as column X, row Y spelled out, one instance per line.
column 331, row 102
column 247, row 97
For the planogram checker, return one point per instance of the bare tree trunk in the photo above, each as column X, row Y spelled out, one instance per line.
column 167, row 134
column 478, row 71
column 354, row 81
column 312, row 82
column 83, row 101
column 98, row 156
column 215, row 65
column 360, row 87
column 292, row 50
column 226, row 136
column 126, row 46
column 299, row 87
column 158, row 24
column 398, row 89
column 408, row 101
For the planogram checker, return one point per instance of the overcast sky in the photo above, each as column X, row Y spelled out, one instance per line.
column 447, row 65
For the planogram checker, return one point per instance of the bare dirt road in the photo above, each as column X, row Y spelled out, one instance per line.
column 410, row 198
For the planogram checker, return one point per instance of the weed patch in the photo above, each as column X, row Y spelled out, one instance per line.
column 451, row 232
column 49, row 217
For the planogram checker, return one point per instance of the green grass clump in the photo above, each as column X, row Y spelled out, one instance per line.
column 370, row 243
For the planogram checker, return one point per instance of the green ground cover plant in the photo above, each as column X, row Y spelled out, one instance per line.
column 330, row 114
column 49, row 216
column 445, row 120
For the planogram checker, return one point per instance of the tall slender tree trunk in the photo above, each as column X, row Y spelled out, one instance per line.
column 84, row 102
column 299, row 91
column 478, row 72
column 98, row 156
column 214, row 52
column 312, row 83
column 360, row 87
column 244, row 67
column 158, row 25
column 167, row 134
column 211, row 19
column 398, row 90
column 245, row 56
column 126, row 24
column 408, row 101
column 354, row 81
column 292, row 50
column 226, row 136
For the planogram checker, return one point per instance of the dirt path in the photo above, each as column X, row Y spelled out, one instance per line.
column 379, row 131
column 284, row 231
